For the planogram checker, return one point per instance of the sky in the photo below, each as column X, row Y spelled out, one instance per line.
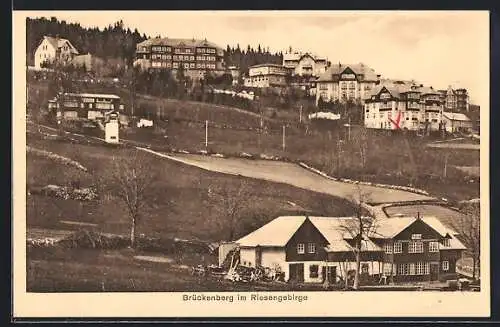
column 436, row 48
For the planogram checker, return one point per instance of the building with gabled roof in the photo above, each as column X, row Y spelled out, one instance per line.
column 344, row 82
column 195, row 56
column 309, row 249
column 53, row 49
column 456, row 122
column 455, row 100
column 304, row 63
column 403, row 105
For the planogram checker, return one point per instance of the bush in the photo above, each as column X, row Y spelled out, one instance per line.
column 94, row 240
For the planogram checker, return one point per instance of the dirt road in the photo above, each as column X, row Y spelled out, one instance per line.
column 294, row 175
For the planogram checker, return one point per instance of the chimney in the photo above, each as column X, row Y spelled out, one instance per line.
column 418, row 214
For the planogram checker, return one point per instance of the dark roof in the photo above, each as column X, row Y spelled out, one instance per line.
column 368, row 73
column 178, row 42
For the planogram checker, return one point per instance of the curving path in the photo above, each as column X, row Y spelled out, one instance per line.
column 292, row 174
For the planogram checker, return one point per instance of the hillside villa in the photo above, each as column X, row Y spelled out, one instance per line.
column 52, row 49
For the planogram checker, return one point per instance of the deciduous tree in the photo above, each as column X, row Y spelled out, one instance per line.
column 468, row 227
column 132, row 181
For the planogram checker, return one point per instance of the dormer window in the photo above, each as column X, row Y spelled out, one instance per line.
column 446, row 242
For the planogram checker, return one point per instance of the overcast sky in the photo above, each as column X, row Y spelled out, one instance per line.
column 435, row 48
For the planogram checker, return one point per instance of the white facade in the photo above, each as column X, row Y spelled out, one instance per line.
column 266, row 75
column 112, row 131
column 454, row 122
column 346, row 82
column 304, row 64
column 51, row 49
column 403, row 106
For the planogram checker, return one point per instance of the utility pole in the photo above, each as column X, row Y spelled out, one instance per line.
column 283, row 137
column 300, row 114
column 206, row 133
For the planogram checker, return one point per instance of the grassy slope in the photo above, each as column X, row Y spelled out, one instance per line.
column 178, row 206
column 178, row 211
column 388, row 160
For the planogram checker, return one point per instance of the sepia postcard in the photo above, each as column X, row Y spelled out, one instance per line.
column 251, row 164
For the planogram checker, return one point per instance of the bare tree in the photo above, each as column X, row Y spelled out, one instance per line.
column 468, row 227
column 230, row 201
column 360, row 228
column 132, row 180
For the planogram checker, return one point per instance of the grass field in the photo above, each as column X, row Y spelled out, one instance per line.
column 63, row 270
column 178, row 206
column 388, row 160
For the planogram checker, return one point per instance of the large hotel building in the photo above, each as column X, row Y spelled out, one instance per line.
column 407, row 105
column 195, row 56
column 346, row 82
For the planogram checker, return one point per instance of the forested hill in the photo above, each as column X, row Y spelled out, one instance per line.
column 115, row 42
column 245, row 58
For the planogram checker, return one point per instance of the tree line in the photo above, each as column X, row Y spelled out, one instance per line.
column 117, row 42
column 249, row 57
column 114, row 41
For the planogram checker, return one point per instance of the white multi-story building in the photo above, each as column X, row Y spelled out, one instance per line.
column 266, row 75
column 400, row 105
column 52, row 49
column 304, row 64
column 343, row 82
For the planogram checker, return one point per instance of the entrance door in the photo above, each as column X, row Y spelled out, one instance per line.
column 297, row 272
column 434, row 270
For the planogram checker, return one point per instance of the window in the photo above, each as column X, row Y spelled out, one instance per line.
column 403, row 269
column 313, row 271
column 104, row 106
column 388, row 246
column 422, row 268
column 300, row 248
column 388, row 269
column 433, row 246
column 191, row 57
column 311, row 248
column 364, row 268
column 416, row 236
column 70, row 104
column 415, row 247
column 411, row 270
column 186, row 65
column 446, row 242
column 398, row 247
column 446, row 265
